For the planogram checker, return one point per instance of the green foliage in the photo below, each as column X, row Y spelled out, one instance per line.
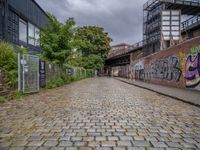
column 62, row 78
column 93, row 43
column 57, row 40
column 93, row 40
column 75, row 77
column 75, row 59
column 89, row 73
column 57, row 81
column 8, row 63
column 22, row 50
column 92, row 62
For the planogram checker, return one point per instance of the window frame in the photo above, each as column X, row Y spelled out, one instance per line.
column 35, row 42
column 22, row 21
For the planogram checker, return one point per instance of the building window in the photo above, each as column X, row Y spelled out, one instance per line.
column 22, row 31
column 13, row 27
column 37, row 37
column 33, row 35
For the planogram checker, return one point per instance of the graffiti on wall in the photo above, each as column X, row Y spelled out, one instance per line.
column 192, row 74
column 166, row 69
column 161, row 69
column 178, row 68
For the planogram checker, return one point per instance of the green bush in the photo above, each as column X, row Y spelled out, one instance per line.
column 59, row 80
column 62, row 78
column 8, row 63
column 89, row 73
column 75, row 77
column 56, row 81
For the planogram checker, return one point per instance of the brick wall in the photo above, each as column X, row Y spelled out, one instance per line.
column 178, row 66
column 195, row 33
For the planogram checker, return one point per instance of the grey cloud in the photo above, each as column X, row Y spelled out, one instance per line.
column 122, row 19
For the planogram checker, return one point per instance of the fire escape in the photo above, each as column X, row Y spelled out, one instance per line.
column 152, row 20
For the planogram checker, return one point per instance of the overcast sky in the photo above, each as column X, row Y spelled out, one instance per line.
column 122, row 19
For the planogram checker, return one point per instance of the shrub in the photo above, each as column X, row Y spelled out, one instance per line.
column 8, row 63
column 62, row 78
column 75, row 77
column 55, row 82
column 89, row 73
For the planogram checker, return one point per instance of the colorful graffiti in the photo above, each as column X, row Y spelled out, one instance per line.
column 182, row 62
column 161, row 69
column 180, row 70
column 167, row 69
column 192, row 76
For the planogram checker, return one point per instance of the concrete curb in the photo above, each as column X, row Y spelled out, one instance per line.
column 158, row 92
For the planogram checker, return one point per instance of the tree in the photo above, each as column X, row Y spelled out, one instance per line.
column 75, row 59
column 57, row 40
column 93, row 43
column 92, row 62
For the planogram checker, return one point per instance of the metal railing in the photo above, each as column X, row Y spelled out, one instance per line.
column 117, row 53
column 136, row 45
column 150, row 3
column 190, row 22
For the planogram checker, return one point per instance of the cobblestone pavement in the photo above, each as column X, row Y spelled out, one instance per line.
column 101, row 114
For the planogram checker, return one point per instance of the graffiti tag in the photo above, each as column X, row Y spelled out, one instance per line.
column 163, row 69
column 192, row 76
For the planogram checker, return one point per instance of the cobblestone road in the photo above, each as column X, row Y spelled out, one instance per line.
column 102, row 114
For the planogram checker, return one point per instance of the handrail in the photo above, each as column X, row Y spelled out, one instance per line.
column 151, row 2
column 136, row 45
column 191, row 21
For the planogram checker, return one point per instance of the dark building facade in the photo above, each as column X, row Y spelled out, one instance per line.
column 20, row 23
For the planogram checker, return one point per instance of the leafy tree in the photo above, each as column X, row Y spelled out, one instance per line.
column 93, row 43
column 57, row 40
column 92, row 62
column 93, row 40
column 75, row 59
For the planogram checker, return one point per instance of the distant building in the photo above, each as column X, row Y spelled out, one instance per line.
column 20, row 23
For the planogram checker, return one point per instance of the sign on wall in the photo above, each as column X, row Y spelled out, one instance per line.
column 42, row 74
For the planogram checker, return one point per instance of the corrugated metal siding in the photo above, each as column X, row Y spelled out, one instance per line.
column 30, row 11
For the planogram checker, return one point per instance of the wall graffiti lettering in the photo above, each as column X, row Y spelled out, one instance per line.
column 195, row 50
column 192, row 76
column 162, row 69
column 167, row 69
column 182, row 69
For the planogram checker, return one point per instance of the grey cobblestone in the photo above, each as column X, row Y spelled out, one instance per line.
column 159, row 144
column 119, row 148
column 108, row 143
column 141, row 143
column 35, row 143
column 124, row 143
column 99, row 114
